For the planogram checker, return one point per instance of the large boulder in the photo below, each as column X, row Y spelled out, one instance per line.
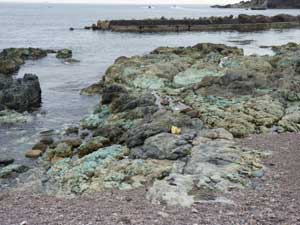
column 23, row 94
column 214, row 165
column 161, row 122
column 163, row 146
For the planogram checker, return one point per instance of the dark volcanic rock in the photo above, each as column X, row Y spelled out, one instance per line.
column 113, row 133
column 111, row 92
column 127, row 102
column 162, row 122
column 23, row 94
column 4, row 161
column 163, row 146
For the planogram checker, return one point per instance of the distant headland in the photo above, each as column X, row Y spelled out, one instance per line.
column 263, row 4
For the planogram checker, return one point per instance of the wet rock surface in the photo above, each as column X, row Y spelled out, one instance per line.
column 22, row 94
column 176, row 138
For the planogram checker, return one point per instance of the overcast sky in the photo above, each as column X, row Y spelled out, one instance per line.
column 129, row 1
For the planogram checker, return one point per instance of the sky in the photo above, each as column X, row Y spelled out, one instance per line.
column 129, row 1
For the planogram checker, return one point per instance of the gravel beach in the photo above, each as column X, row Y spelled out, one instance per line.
column 274, row 199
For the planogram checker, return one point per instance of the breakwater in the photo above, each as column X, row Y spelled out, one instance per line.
column 242, row 22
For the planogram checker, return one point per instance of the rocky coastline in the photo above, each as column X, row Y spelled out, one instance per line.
column 242, row 22
column 167, row 120
column 263, row 4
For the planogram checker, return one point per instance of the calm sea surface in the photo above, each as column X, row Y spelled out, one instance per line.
column 46, row 26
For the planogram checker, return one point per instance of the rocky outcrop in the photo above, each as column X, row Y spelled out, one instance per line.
column 64, row 54
column 167, row 120
column 271, row 4
column 255, row 22
column 22, row 94
column 283, row 4
column 12, row 58
column 213, row 165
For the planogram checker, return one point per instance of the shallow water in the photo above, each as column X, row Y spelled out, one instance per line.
column 46, row 26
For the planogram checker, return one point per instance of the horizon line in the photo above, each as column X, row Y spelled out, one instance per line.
column 102, row 3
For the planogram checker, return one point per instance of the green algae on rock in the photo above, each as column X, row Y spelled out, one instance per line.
column 102, row 170
column 74, row 175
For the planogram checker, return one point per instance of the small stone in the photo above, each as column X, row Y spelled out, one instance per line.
column 165, row 101
column 74, row 143
column 163, row 214
column 40, row 146
column 72, row 130
column 258, row 173
column 56, row 159
column 195, row 210
column 24, row 223
column 33, row 154
column 47, row 140
column 215, row 178
column 84, row 134
column 125, row 220
column 6, row 161
column 219, row 133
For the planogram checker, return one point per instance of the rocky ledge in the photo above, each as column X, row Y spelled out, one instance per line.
column 167, row 120
column 263, row 4
column 241, row 23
